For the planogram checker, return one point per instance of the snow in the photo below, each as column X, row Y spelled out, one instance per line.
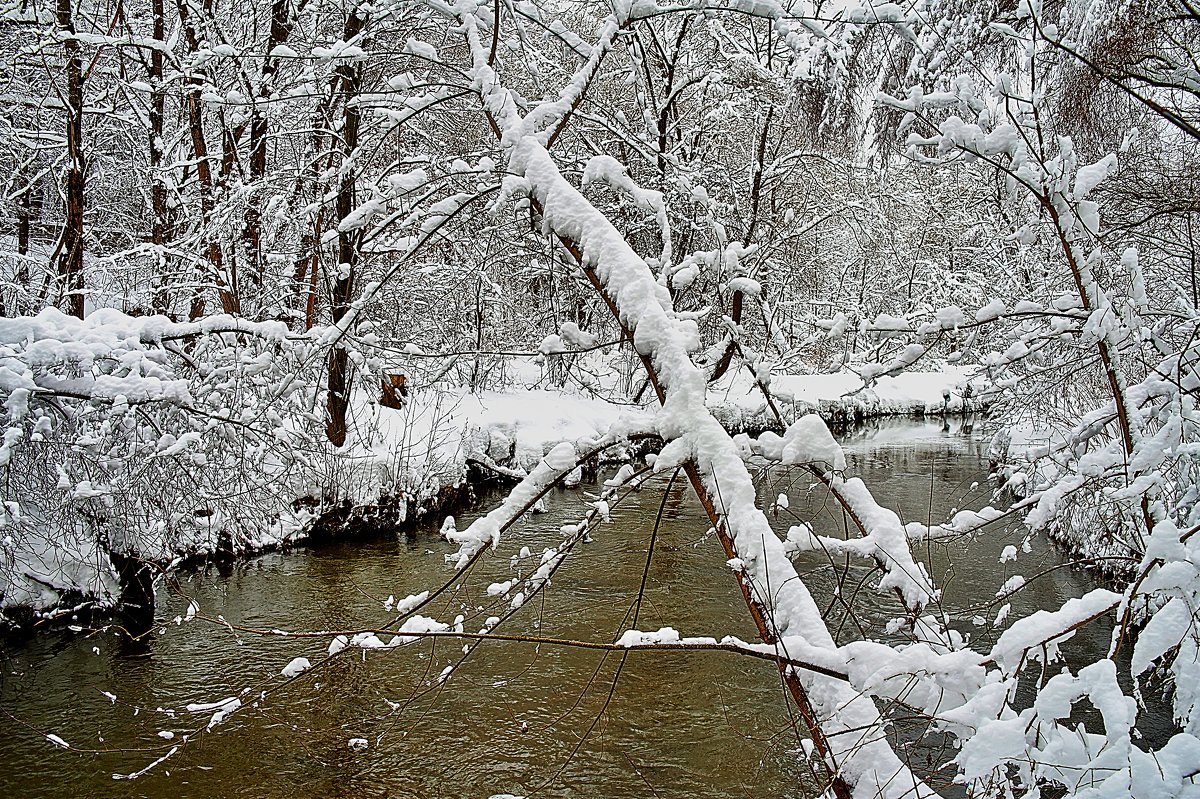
column 1088, row 177
column 745, row 285
column 1165, row 630
column 992, row 310
column 142, row 772
column 1011, row 585
column 204, row 707
column 806, row 441
column 44, row 567
column 296, row 667
column 222, row 709
column 886, row 323
column 1044, row 626
column 552, row 345
column 499, row 589
column 835, row 397
column 538, row 419
column 414, row 625
column 487, row 529
column 884, row 539
column 644, row 307
column 407, row 604
column 537, row 435
column 577, row 338
column 421, row 49
column 635, row 638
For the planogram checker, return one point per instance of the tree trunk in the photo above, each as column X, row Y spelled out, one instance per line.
column 70, row 257
column 229, row 301
column 350, row 76
column 308, row 259
column 158, row 103
column 136, row 601
column 160, row 302
column 24, row 218
column 281, row 29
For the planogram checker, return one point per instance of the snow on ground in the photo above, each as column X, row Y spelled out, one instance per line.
column 531, row 422
column 840, row 397
column 434, row 435
column 517, row 427
column 42, row 573
column 413, row 454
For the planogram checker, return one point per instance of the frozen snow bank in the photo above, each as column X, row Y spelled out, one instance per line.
column 841, row 397
column 525, row 425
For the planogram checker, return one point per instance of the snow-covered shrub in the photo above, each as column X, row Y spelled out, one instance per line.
column 145, row 439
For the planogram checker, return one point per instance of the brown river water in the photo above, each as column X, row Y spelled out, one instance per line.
column 515, row 718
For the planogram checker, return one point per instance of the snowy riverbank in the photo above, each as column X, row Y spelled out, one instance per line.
column 400, row 465
column 517, row 427
column 410, row 459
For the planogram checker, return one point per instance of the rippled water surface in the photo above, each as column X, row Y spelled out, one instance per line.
column 514, row 717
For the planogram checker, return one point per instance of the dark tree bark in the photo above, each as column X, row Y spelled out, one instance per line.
column 136, row 601
column 281, row 29
column 158, row 104
column 24, row 219
column 350, row 80
column 229, row 300
column 70, row 256
column 158, row 189
column 307, row 263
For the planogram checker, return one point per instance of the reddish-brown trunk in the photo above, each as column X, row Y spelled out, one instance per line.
column 229, row 301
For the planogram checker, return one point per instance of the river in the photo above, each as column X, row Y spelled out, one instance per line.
column 515, row 717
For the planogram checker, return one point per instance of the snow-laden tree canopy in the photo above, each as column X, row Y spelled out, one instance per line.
column 228, row 225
